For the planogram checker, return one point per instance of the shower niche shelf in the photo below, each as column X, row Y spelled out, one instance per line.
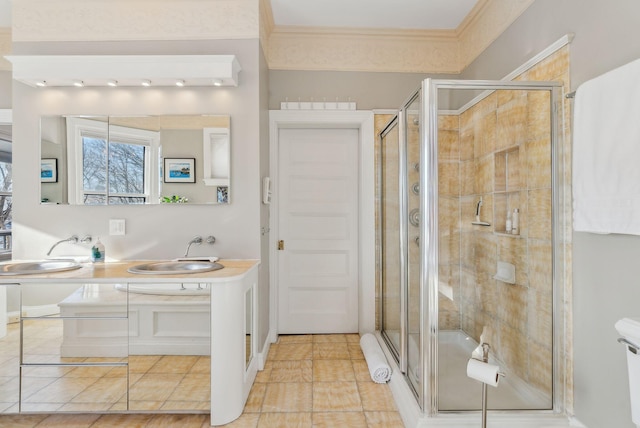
column 508, row 185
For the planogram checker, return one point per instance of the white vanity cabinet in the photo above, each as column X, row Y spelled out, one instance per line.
column 233, row 344
column 94, row 349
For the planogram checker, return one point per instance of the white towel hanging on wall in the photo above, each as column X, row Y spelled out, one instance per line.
column 606, row 153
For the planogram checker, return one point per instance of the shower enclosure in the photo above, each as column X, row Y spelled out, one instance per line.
column 470, row 241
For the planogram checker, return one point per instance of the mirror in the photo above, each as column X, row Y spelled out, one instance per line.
column 117, row 160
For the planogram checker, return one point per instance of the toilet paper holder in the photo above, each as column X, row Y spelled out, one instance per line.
column 485, row 359
column 632, row 347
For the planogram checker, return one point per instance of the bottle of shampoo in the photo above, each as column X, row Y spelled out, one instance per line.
column 97, row 252
column 515, row 223
column 508, row 225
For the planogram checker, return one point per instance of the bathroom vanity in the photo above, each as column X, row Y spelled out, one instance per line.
column 111, row 326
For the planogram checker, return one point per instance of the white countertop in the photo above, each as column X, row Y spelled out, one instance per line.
column 117, row 272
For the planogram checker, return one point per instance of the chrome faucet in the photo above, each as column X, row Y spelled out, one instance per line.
column 74, row 239
column 197, row 240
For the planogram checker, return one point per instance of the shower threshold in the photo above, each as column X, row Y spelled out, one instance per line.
column 457, row 392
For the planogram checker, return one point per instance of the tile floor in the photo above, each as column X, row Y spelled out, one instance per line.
column 308, row 381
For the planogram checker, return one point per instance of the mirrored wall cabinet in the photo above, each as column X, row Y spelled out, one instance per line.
column 129, row 160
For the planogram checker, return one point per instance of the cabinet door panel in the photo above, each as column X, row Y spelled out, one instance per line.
column 55, row 340
column 79, row 388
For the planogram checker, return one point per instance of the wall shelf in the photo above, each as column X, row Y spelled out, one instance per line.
column 508, row 185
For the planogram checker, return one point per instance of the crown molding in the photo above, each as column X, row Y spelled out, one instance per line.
column 376, row 33
column 403, row 51
column 285, row 47
column 91, row 20
column 267, row 24
column 472, row 16
column 296, row 48
column 491, row 19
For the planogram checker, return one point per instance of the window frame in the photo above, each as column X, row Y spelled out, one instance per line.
column 78, row 128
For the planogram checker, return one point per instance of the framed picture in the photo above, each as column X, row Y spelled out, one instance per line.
column 179, row 170
column 49, row 170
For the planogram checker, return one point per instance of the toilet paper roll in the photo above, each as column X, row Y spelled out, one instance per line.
column 484, row 372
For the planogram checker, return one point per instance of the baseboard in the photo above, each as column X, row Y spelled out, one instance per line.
column 40, row 311
column 33, row 311
column 272, row 337
column 574, row 422
column 13, row 317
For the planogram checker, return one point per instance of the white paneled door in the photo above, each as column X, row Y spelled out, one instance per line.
column 318, row 231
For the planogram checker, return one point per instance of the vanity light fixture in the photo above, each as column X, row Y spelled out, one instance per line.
column 146, row 83
column 128, row 70
column 78, row 83
column 112, row 83
column 180, row 83
column 41, row 83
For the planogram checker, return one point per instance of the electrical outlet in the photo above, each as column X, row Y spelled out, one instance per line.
column 117, row 227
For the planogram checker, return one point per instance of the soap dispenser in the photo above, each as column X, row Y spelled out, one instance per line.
column 98, row 252
column 515, row 222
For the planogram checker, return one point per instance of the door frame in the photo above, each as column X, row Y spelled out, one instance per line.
column 313, row 119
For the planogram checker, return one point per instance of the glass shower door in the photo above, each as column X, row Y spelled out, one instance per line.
column 412, row 178
column 492, row 283
column 391, row 319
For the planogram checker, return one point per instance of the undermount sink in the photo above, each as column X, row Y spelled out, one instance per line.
column 47, row 266
column 174, row 267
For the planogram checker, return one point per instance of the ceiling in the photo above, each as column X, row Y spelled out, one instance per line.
column 384, row 14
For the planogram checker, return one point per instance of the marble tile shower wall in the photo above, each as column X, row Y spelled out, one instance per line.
column 450, row 187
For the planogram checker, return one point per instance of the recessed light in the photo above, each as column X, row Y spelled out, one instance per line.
column 146, row 83
column 41, row 83
column 78, row 83
column 180, row 83
column 112, row 83
column 217, row 82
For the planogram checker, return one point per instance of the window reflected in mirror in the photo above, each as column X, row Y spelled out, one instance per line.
column 114, row 160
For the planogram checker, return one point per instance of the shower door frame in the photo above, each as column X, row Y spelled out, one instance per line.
column 398, row 354
column 428, row 395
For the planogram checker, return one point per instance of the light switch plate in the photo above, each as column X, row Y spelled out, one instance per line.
column 117, row 227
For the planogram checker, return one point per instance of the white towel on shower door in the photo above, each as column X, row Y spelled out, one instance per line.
column 606, row 153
